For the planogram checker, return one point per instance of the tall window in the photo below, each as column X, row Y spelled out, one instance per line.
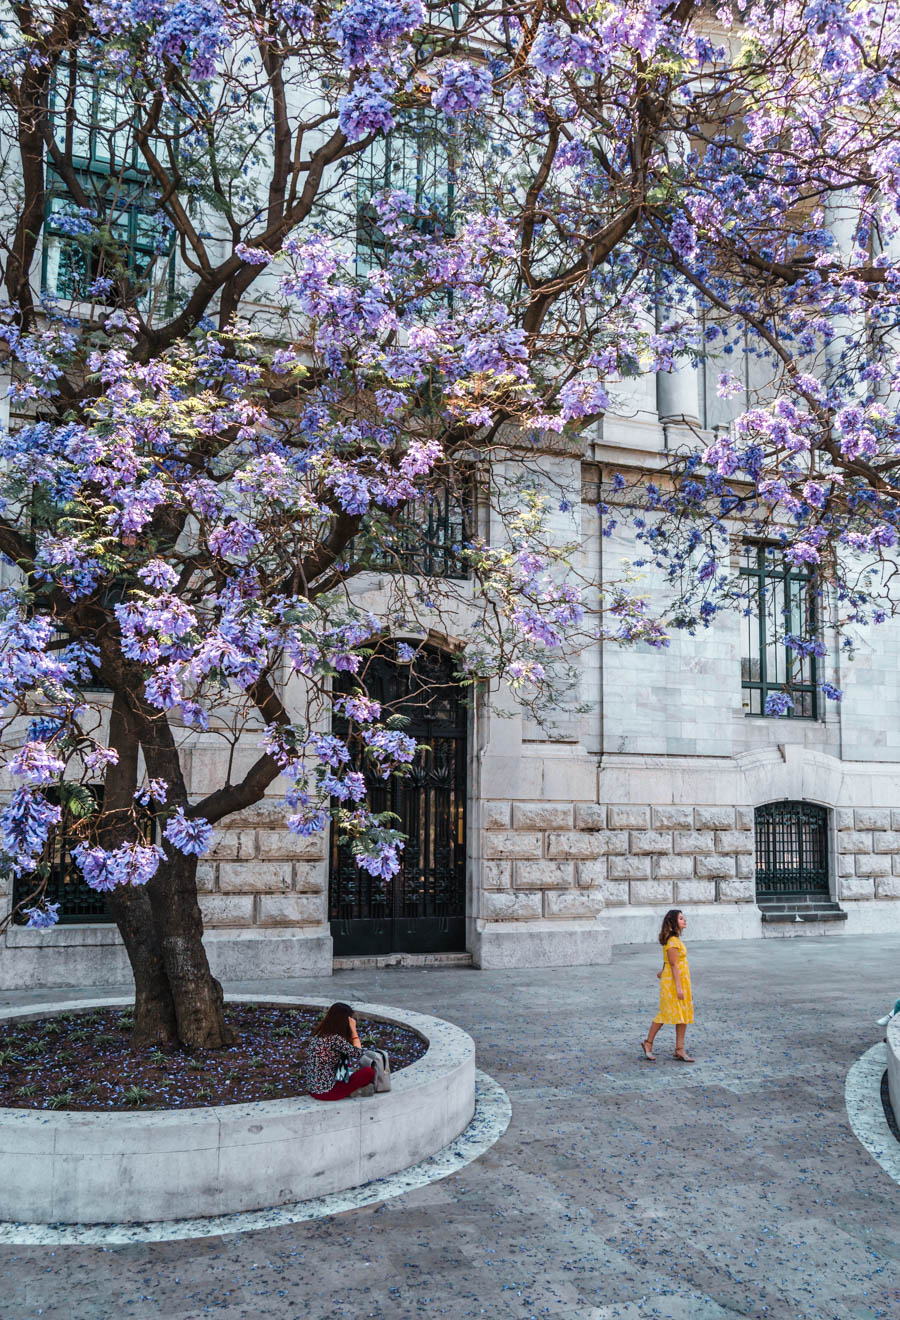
column 428, row 533
column 413, row 158
column 78, row 903
column 780, row 602
column 426, row 537
column 92, row 125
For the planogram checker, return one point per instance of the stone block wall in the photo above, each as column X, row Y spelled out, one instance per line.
column 258, row 874
column 538, row 861
column 868, row 861
column 545, row 860
column 571, row 860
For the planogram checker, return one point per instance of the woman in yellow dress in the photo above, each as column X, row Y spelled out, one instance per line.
column 675, row 1002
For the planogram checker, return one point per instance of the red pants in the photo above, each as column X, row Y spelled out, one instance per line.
column 340, row 1090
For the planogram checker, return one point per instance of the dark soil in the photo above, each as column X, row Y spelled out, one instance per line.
column 85, row 1060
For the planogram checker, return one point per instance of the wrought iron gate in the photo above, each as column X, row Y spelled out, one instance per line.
column 423, row 909
column 791, row 849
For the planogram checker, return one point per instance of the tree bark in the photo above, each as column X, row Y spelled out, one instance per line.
column 154, row 1008
column 155, row 1019
column 196, row 994
column 176, row 996
column 172, row 893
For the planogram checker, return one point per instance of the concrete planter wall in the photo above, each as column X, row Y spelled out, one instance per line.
column 105, row 1167
column 893, row 1063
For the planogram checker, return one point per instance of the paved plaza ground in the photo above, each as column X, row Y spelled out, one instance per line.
column 621, row 1189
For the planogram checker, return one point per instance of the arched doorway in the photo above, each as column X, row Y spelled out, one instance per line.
column 423, row 909
column 791, row 851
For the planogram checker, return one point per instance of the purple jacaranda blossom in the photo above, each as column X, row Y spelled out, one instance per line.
column 369, row 29
column 42, row 918
column 101, row 757
column 252, row 256
column 308, row 820
column 36, row 763
column 582, row 398
column 194, row 31
column 463, row 88
column 190, row 835
column 384, row 865
column 25, row 824
column 155, row 790
column 778, row 703
column 358, row 707
column 388, row 749
column 158, row 574
column 367, row 107
column 130, row 864
column 683, row 237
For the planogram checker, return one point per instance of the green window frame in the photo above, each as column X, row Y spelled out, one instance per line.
column 424, row 539
column 78, row 903
column 780, row 600
column 415, row 157
column 92, row 126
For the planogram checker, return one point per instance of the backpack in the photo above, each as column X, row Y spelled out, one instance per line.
column 377, row 1059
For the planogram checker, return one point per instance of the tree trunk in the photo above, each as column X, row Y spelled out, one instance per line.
column 155, row 1021
column 196, row 994
column 176, row 997
column 154, row 1011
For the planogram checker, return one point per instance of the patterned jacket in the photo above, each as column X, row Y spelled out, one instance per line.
column 321, row 1059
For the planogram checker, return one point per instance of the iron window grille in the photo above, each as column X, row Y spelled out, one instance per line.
column 413, row 157
column 78, row 903
column 791, row 849
column 426, row 537
column 780, row 600
column 92, row 125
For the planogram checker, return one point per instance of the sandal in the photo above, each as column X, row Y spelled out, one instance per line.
column 683, row 1058
column 647, row 1052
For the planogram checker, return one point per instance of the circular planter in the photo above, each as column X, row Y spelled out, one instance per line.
column 102, row 1167
column 893, row 1062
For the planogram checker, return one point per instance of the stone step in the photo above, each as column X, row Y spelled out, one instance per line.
column 383, row 960
column 795, row 900
column 827, row 914
column 789, row 915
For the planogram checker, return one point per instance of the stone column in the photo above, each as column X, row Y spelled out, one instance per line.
column 678, row 396
column 538, row 897
column 841, row 217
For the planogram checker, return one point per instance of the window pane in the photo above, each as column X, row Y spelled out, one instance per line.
column 412, row 158
column 126, row 208
column 778, row 595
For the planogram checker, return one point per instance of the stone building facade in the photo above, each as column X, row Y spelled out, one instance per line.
column 579, row 832
column 569, row 835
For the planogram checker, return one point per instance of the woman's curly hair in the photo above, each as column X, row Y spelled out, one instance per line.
column 669, row 926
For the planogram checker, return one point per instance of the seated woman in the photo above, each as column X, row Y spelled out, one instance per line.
column 334, row 1041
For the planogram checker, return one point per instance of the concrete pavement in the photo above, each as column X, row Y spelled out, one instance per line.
column 621, row 1189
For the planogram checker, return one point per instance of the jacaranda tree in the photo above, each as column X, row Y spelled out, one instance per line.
column 278, row 275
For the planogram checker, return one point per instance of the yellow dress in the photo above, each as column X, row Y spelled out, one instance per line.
column 671, row 1008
